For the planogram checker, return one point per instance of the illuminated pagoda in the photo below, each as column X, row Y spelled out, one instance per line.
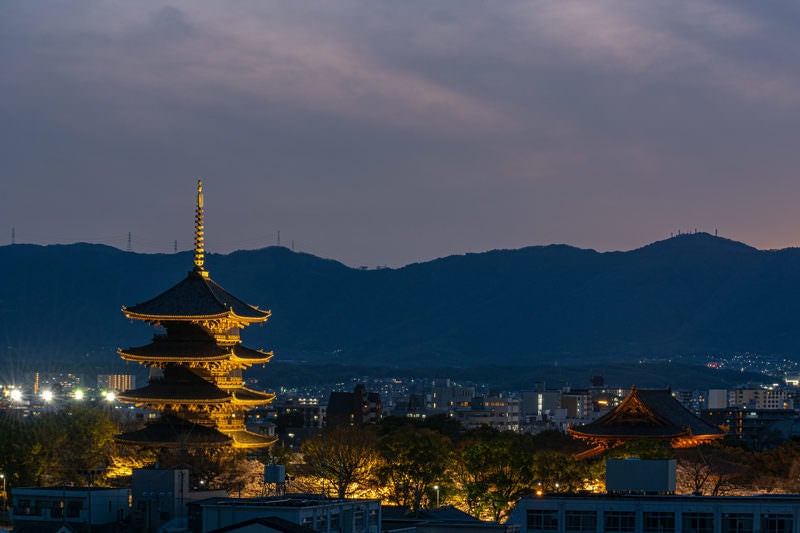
column 646, row 414
column 196, row 361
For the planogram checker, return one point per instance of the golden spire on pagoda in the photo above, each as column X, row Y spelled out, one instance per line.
column 199, row 250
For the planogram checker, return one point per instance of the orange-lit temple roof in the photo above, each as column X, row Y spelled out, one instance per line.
column 197, row 297
column 646, row 414
column 178, row 383
column 181, row 385
column 245, row 396
column 187, row 350
column 171, row 431
column 248, row 439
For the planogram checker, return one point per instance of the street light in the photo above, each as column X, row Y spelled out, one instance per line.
column 78, row 394
column 16, row 395
column 47, row 396
column 436, row 488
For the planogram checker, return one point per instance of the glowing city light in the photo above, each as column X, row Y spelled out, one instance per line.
column 16, row 395
column 110, row 396
column 78, row 394
column 47, row 396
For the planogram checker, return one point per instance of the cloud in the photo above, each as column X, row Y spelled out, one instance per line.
column 450, row 125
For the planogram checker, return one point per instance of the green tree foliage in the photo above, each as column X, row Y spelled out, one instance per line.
column 279, row 455
column 414, row 459
column 89, row 444
column 493, row 469
column 71, row 445
column 343, row 458
column 555, row 440
column 777, row 469
column 642, row 449
column 560, row 472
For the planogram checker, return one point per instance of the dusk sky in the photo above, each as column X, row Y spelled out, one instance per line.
column 385, row 133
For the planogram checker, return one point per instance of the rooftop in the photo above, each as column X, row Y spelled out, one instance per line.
column 197, row 296
column 645, row 413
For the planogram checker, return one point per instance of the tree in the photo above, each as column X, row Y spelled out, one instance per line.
column 562, row 472
column 712, row 469
column 493, row 469
column 414, row 459
column 643, row 449
column 69, row 445
column 89, row 448
column 241, row 476
column 344, row 457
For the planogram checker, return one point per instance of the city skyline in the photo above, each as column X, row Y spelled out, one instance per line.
column 386, row 134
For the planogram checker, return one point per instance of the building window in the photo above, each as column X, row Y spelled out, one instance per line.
column 74, row 509
column 542, row 520
column 358, row 519
column 776, row 523
column 581, row 520
column 334, row 518
column 619, row 521
column 737, row 523
column 659, row 522
column 698, row 523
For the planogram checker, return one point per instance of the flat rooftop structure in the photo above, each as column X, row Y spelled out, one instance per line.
column 446, row 519
column 635, row 513
column 289, row 500
column 322, row 514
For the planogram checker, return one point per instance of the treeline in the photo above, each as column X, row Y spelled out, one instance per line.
column 66, row 446
column 401, row 461
column 76, row 446
column 417, row 464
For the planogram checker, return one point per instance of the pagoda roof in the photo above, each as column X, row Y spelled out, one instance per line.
column 197, row 297
column 250, row 396
column 172, row 432
column 248, row 439
column 165, row 350
column 648, row 413
column 179, row 384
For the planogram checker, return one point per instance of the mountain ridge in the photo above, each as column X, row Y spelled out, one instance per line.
column 690, row 294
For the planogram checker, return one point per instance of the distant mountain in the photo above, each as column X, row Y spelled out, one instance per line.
column 690, row 294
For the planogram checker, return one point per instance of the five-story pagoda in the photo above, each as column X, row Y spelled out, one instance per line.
column 196, row 361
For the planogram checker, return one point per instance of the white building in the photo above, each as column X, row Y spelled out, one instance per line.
column 760, row 399
column 498, row 411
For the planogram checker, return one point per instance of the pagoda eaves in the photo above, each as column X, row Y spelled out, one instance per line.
column 173, row 352
column 196, row 298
